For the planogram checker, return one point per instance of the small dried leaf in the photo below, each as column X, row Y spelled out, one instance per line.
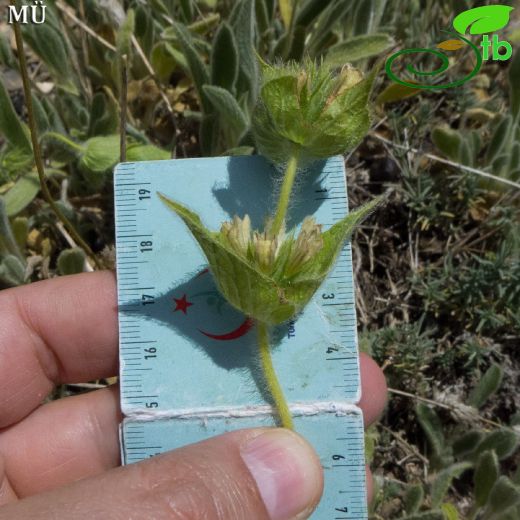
column 451, row 45
column 286, row 11
column 396, row 92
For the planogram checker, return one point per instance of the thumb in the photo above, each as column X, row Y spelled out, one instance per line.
column 260, row 474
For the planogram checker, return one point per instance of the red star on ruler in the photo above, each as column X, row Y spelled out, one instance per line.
column 182, row 304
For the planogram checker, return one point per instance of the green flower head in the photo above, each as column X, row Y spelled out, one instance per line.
column 269, row 276
column 310, row 110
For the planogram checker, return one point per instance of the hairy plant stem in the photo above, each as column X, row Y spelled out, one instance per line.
column 285, row 194
column 263, row 330
column 270, row 377
column 36, row 147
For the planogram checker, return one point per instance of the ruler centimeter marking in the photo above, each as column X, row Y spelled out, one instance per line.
column 344, row 495
column 336, row 292
column 141, row 351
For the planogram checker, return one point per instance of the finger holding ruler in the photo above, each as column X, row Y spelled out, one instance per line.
column 189, row 361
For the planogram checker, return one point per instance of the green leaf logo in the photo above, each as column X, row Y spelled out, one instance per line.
column 482, row 20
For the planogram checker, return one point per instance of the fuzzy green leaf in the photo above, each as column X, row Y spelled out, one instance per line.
column 6, row 54
column 207, row 24
column 448, row 141
column 224, row 58
column 498, row 168
column 11, row 128
column 262, row 16
column 209, row 134
column 499, row 138
column 362, row 16
column 101, row 153
column 12, row 271
column 198, row 69
column 40, row 116
column 8, row 245
column 22, row 193
column 310, row 11
column 503, row 496
column 20, row 229
column 467, row 443
column 146, row 152
column 124, row 35
column 486, row 473
column 487, row 386
column 103, row 116
column 228, row 108
column 71, row 261
column 413, row 498
column 442, row 483
column 15, row 162
column 513, row 513
column 504, row 442
column 322, row 33
column 358, row 48
column 275, row 299
column 50, row 45
column 244, row 27
column 432, row 427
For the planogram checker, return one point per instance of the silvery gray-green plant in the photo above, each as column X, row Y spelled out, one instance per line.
column 495, row 495
column 304, row 113
column 502, row 147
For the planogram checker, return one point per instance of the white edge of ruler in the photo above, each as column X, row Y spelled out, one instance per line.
column 297, row 410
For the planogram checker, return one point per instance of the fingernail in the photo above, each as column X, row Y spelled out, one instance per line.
column 286, row 471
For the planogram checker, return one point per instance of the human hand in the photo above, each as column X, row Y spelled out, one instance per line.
column 59, row 460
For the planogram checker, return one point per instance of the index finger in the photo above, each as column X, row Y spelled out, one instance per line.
column 55, row 331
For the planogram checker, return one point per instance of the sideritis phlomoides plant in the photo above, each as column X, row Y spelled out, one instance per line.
column 304, row 113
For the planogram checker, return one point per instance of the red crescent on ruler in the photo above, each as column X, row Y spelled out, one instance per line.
column 234, row 334
column 240, row 331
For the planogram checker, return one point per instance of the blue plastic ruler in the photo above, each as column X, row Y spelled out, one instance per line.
column 189, row 364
